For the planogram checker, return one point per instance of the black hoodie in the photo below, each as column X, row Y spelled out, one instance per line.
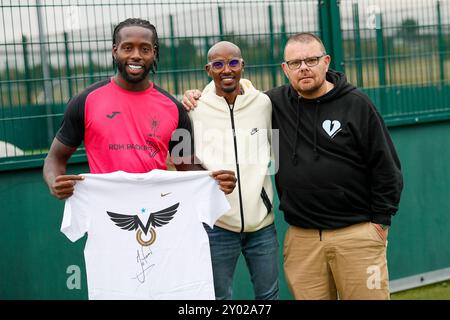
column 337, row 163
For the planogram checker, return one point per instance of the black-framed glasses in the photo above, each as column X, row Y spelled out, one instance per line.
column 219, row 65
column 310, row 62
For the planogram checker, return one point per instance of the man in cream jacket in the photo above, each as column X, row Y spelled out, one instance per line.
column 232, row 130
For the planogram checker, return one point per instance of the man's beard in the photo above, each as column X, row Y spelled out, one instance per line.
column 132, row 79
column 315, row 88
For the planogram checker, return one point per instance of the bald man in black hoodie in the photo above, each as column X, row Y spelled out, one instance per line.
column 339, row 178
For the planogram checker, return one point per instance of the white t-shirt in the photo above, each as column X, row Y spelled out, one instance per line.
column 145, row 234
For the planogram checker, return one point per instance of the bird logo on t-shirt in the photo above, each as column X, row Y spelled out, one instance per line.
column 132, row 222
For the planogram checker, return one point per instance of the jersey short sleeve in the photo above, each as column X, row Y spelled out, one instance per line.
column 71, row 132
column 76, row 216
column 182, row 138
column 211, row 202
column 181, row 143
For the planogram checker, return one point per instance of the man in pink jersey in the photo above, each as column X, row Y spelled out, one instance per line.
column 127, row 122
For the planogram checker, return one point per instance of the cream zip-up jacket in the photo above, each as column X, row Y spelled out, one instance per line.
column 238, row 138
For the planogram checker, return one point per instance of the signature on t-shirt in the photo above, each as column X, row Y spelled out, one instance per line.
column 144, row 264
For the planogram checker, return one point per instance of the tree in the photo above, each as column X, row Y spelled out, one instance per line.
column 409, row 29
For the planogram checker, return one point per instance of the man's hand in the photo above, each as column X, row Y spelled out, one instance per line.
column 190, row 98
column 226, row 179
column 63, row 186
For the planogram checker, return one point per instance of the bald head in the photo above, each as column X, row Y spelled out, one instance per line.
column 225, row 66
column 224, row 47
column 305, row 38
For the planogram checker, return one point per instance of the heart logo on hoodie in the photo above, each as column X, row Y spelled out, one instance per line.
column 331, row 127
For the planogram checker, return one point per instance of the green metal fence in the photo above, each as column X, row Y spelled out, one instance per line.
column 398, row 52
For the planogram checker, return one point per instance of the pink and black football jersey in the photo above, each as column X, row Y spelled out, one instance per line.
column 125, row 130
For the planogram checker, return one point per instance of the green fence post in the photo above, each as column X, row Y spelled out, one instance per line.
column 207, row 79
column 91, row 67
column 381, row 61
column 283, row 36
column 173, row 52
column 358, row 55
column 221, row 32
column 9, row 127
column 26, row 65
column 330, row 32
column 271, row 49
column 44, row 48
column 9, row 82
column 441, row 45
column 283, row 31
column 336, row 34
column 324, row 28
column 68, row 69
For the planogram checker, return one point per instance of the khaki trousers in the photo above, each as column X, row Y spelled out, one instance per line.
column 349, row 263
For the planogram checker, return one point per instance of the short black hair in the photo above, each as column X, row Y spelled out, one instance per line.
column 135, row 22
column 306, row 37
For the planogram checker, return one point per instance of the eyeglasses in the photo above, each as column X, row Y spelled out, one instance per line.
column 219, row 65
column 310, row 62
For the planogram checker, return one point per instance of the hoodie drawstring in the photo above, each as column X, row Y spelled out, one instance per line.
column 316, row 154
column 294, row 157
